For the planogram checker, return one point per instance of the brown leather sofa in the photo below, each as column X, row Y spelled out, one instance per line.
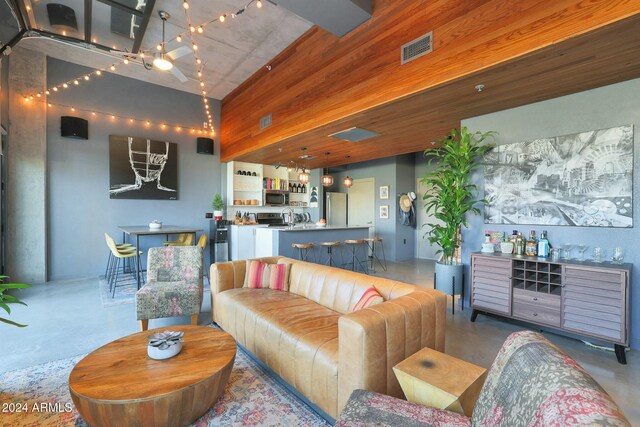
column 310, row 337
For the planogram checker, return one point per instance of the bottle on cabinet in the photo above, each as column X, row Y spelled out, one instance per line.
column 531, row 246
column 520, row 241
column 543, row 245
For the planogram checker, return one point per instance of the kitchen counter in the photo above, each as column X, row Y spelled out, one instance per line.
column 272, row 241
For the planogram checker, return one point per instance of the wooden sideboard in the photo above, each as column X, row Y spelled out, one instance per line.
column 585, row 298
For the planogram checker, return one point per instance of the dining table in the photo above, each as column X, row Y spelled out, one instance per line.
column 128, row 231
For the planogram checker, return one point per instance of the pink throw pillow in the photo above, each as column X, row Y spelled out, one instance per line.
column 369, row 298
column 261, row 275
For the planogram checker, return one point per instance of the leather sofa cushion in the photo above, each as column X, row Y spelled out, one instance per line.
column 301, row 347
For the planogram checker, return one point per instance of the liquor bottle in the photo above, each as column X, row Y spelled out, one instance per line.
column 531, row 247
column 519, row 244
column 304, row 188
column 543, row 245
column 299, row 188
column 512, row 239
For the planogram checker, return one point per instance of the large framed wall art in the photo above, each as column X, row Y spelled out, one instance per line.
column 583, row 179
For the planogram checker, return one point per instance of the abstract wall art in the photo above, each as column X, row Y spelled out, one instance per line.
column 141, row 168
column 582, row 179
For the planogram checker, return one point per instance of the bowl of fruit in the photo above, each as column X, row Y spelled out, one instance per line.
column 321, row 223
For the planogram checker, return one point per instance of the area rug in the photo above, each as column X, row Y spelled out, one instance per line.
column 125, row 292
column 39, row 396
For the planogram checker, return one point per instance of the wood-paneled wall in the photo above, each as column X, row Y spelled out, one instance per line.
column 322, row 83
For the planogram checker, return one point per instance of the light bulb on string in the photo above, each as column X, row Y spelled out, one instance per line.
column 38, row 95
column 113, row 68
column 126, row 61
column 185, row 4
column 159, row 47
column 75, row 82
column 195, row 46
column 198, row 61
column 55, row 89
column 259, row 4
column 200, row 29
column 98, row 73
column 222, row 18
column 179, row 39
column 192, row 29
column 46, row 92
column 86, row 78
column 64, row 85
column 142, row 55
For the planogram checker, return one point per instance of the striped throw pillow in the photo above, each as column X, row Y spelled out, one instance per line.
column 261, row 275
column 369, row 298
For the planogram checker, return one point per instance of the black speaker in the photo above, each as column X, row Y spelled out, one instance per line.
column 74, row 127
column 205, row 146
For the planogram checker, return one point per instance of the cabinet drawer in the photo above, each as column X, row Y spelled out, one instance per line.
column 487, row 263
column 483, row 302
column 536, row 298
column 591, row 275
column 538, row 313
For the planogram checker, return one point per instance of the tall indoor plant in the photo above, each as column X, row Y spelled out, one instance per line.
column 451, row 196
column 218, row 205
column 6, row 299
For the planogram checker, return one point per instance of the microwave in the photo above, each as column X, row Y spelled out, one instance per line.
column 276, row 198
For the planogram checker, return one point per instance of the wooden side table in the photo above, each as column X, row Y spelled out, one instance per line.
column 435, row 379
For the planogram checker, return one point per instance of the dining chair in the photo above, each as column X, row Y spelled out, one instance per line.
column 202, row 243
column 120, row 256
column 184, row 239
column 174, row 285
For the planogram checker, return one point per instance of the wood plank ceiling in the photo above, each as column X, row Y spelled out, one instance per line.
column 521, row 52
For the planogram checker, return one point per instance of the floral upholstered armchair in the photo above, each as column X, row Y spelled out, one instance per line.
column 174, row 284
column 530, row 383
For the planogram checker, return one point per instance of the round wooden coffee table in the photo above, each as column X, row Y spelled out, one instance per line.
column 118, row 384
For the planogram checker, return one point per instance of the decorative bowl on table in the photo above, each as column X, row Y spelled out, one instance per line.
column 163, row 345
column 155, row 225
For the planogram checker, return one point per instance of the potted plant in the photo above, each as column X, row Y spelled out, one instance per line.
column 450, row 196
column 6, row 299
column 218, row 205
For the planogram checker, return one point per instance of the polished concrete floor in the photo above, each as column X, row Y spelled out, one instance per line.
column 67, row 318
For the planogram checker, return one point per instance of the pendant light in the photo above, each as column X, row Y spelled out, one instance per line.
column 303, row 176
column 326, row 180
column 347, row 181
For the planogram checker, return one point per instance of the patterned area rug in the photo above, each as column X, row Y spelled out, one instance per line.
column 125, row 292
column 39, row 396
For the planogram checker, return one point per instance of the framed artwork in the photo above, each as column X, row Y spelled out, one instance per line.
column 582, row 179
column 384, row 212
column 384, row 192
column 141, row 168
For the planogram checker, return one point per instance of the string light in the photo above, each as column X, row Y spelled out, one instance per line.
column 222, row 18
column 86, row 78
column 179, row 39
column 112, row 68
column 259, row 4
column 64, row 85
column 185, row 4
column 200, row 30
column 126, row 61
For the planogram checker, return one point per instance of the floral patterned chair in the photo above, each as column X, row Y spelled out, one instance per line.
column 531, row 383
column 174, row 284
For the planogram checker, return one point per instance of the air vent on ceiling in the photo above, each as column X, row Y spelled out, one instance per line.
column 354, row 134
column 265, row 121
column 416, row 48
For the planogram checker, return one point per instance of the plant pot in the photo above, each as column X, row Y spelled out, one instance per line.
column 217, row 215
column 157, row 354
column 446, row 274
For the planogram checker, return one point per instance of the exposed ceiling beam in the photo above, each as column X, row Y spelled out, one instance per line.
column 142, row 29
column 88, row 15
column 336, row 16
column 125, row 8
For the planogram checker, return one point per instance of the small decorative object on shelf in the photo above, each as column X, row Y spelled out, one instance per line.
column 618, row 256
column 218, row 205
column 487, row 246
column 155, row 225
column 163, row 345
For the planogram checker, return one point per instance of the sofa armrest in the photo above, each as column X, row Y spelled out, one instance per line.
column 372, row 341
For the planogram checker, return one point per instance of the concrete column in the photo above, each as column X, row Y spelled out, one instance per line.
column 26, row 169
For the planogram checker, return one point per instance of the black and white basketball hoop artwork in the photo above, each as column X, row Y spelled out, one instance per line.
column 141, row 168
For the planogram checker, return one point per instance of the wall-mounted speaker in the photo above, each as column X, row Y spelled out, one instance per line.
column 74, row 127
column 205, row 146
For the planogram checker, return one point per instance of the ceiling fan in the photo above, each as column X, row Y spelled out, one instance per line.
column 163, row 60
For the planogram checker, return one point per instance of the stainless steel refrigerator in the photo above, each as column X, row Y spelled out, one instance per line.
column 336, row 209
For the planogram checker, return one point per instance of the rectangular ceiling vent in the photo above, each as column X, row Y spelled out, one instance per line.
column 354, row 134
column 265, row 122
column 416, row 48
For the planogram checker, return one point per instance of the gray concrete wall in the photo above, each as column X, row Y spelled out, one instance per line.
column 78, row 177
column 604, row 107
column 26, row 170
column 4, row 91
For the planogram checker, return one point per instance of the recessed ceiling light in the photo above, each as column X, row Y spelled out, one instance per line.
column 354, row 134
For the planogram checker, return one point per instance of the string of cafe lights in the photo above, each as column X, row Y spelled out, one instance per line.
column 179, row 128
column 140, row 58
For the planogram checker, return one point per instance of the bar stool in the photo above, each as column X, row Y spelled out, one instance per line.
column 303, row 250
column 355, row 244
column 330, row 245
column 118, row 255
column 371, row 241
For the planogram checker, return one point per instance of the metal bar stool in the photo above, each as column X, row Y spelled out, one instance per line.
column 355, row 244
column 374, row 257
column 304, row 249
column 118, row 255
column 330, row 245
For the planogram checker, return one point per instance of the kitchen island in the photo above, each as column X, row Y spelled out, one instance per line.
column 271, row 241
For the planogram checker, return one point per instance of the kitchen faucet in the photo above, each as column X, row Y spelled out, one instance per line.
column 289, row 218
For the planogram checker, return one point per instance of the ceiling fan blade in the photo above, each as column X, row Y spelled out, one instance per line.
column 179, row 52
column 178, row 74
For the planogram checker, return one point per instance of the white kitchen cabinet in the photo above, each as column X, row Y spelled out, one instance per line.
column 243, row 241
column 243, row 189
